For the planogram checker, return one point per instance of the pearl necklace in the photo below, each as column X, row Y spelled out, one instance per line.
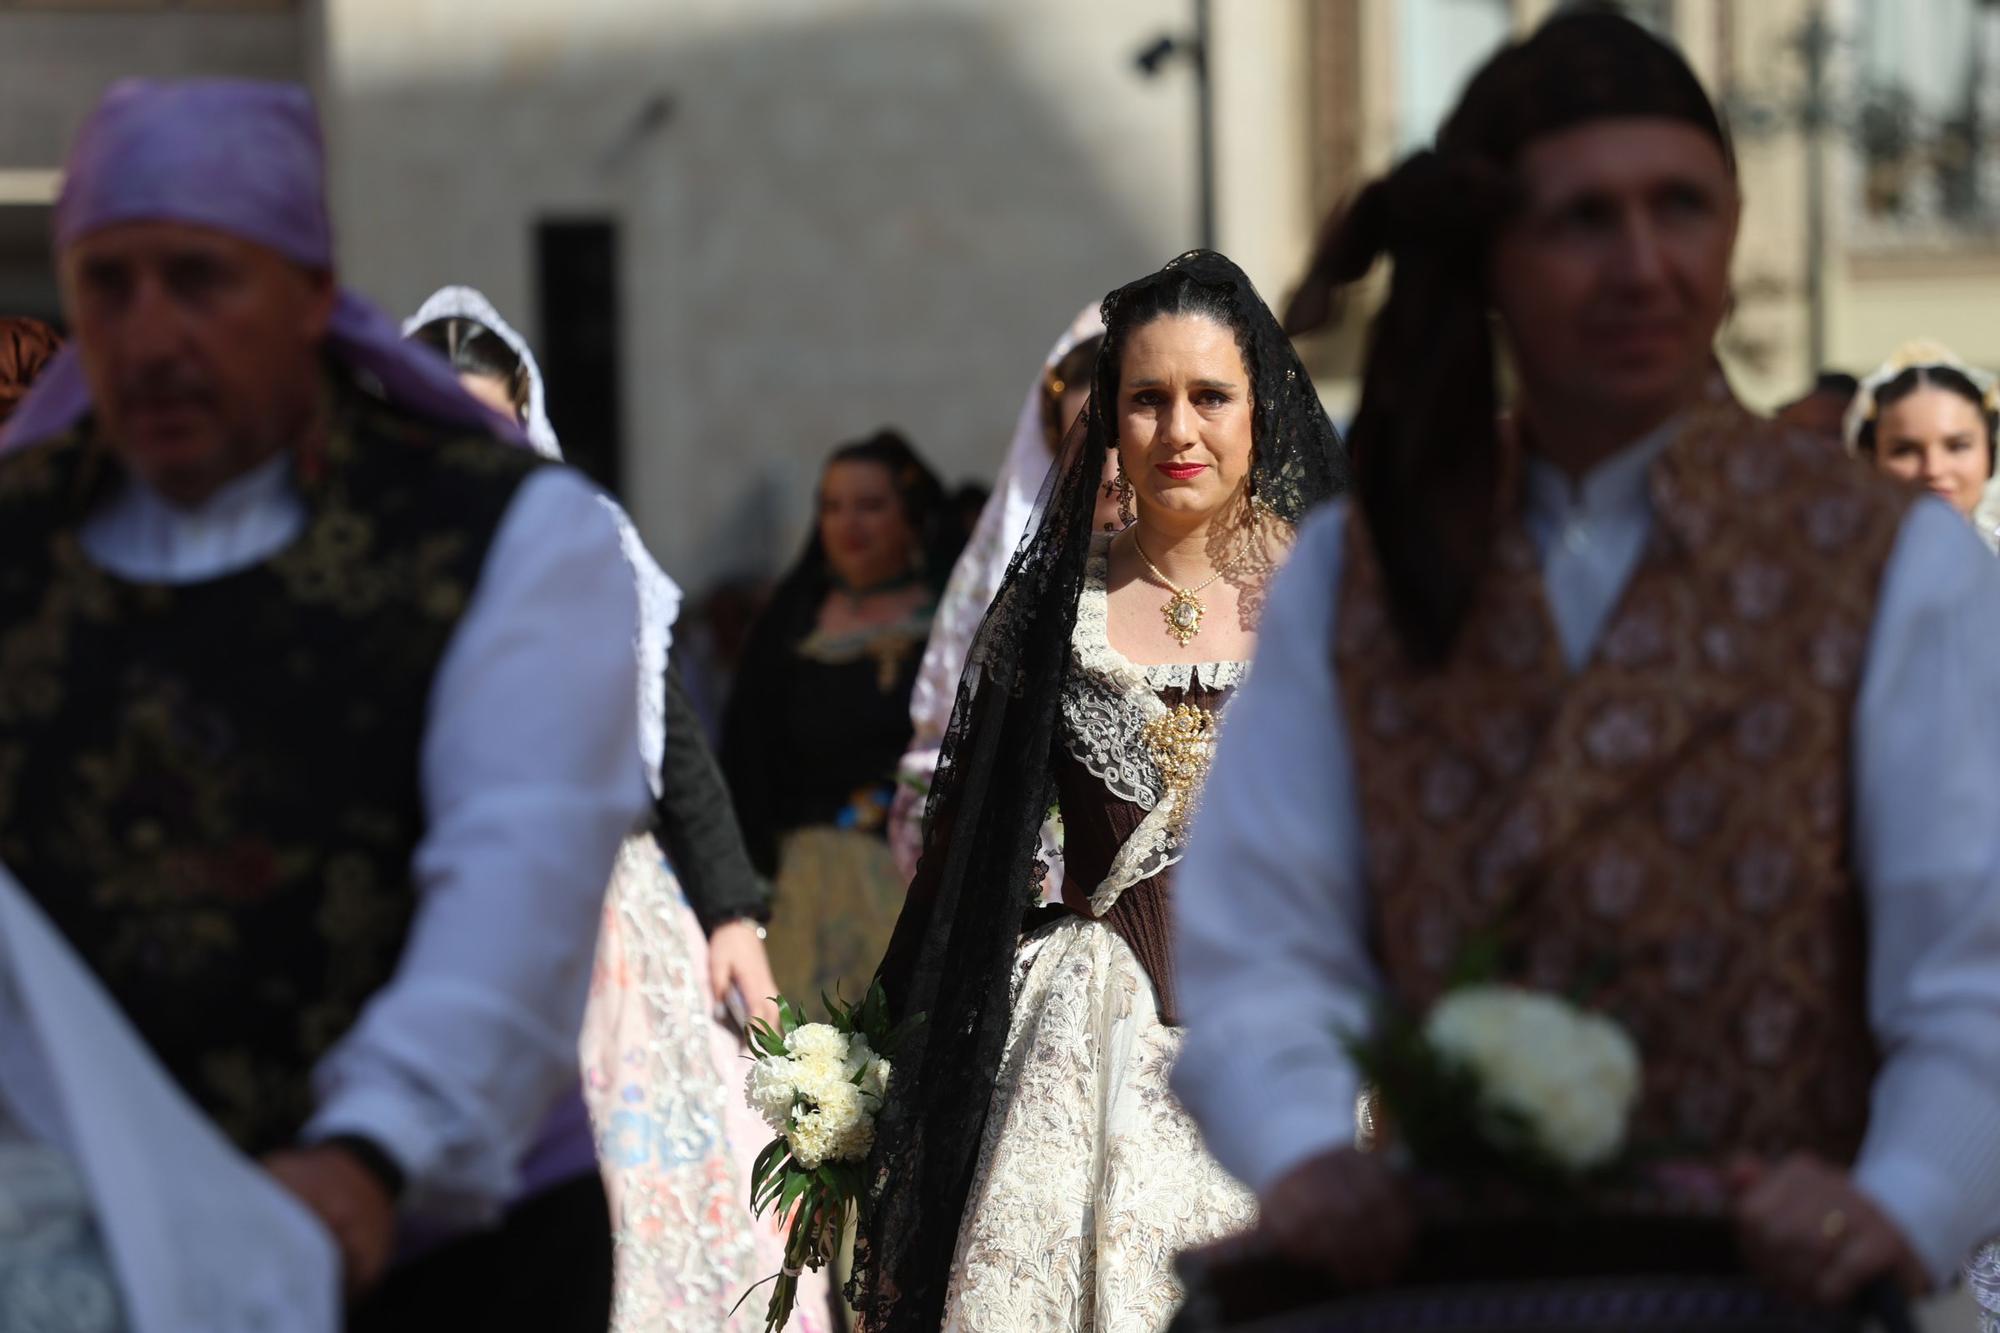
column 1184, row 610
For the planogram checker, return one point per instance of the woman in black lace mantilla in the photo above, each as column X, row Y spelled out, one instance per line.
column 1001, row 1196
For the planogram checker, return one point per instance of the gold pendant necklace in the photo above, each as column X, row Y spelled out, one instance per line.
column 1184, row 610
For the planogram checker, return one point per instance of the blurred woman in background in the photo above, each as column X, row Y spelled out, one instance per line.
column 821, row 713
column 1928, row 417
column 670, row 1130
column 1054, row 402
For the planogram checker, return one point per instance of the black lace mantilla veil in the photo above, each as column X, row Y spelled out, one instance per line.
column 951, row 957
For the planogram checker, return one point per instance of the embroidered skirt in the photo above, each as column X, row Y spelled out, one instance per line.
column 1091, row 1178
column 663, row 1081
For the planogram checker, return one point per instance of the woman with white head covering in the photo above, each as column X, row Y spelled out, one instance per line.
column 674, row 1139
column 1928, row 417
column 1052, row 405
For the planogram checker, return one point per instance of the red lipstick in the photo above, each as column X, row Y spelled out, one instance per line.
column 1182, row 471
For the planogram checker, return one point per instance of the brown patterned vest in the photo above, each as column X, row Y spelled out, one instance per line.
column 214, row 788
column 1665, row 833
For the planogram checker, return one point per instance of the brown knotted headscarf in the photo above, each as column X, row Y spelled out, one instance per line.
column 26, row 345
column 1425, row 440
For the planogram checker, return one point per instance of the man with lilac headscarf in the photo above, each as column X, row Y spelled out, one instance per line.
column 317, row 713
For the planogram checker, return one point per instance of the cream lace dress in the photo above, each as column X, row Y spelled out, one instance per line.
column 1091, row 1179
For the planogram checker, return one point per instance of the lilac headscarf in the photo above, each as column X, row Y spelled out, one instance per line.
column 240, row 157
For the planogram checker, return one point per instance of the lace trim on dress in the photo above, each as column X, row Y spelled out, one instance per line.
column 1106, row 705
column 652, row 638
column 852, row 645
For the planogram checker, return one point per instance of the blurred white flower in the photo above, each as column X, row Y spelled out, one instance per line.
column 1571, row 1076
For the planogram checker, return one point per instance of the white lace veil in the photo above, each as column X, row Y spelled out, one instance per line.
column 975, row 579
column 659, row 596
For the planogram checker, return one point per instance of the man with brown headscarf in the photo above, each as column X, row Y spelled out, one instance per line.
column 1646, row 688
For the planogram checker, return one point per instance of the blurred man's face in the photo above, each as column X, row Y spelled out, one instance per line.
column 202, row 350
column 1614, row 277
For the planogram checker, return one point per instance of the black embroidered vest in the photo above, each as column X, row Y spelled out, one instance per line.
column 214, row 788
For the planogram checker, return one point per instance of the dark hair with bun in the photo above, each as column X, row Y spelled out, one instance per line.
column 474, row 349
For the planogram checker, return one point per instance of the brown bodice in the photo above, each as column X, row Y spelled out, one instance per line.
column 1096, row 824
column 1121, row 836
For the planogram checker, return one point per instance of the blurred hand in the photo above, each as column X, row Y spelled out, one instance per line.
column 1345, row 1211
column 1812, row 1236
column 736, row 960
column 349, row 1201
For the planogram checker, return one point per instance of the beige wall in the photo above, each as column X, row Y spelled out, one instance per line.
column 859, row 212
column 1264, row 182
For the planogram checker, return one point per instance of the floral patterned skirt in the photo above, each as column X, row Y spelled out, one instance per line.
column 1091, row 1178
column 662, row 1080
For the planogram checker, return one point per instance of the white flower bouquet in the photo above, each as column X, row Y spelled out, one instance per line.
column 1502, row 1081
column 819, row 1087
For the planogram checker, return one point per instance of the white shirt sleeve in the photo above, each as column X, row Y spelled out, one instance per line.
column 1271, row 913
column 1927, row 848
column 532, row 778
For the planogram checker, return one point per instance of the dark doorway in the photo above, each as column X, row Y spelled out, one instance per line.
column 576, row 275
column 27, row 273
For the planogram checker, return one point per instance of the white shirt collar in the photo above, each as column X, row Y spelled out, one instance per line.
column 141, row 535
column 1589, row 533
column 1617, row 487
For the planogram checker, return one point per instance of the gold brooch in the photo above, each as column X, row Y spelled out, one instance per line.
column 1182, row 742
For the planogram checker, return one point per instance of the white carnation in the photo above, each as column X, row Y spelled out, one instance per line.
column 859, row 1056
column 815, row 1072
column 839, row 1104
column 772, row 1088
column 854, row 1142
column 875, row 1079
column 817, row 1041
column 812, row 1139
column 1570, row 1075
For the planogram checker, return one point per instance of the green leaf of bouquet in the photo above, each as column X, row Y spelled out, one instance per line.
column 874, row 1012
column 773, row 1152
column 1479, row 961
column 844, row 1180
column 768, row 1191
column 796, row 1180
column 788, row 1017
